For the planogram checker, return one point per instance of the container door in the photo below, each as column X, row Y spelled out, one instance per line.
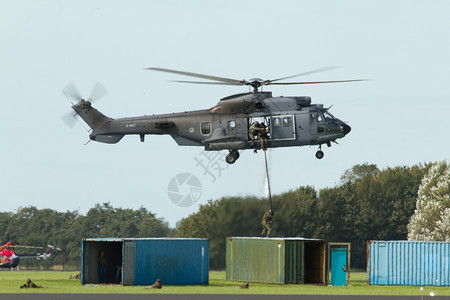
column 294, row 262
column 299, row 271
column 291, row 263
column 382, row 257
column 338, row 265
column 128, row 263
column 83, row 262
column 89, row 272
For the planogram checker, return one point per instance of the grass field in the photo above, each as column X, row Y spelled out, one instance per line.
column 59, row 282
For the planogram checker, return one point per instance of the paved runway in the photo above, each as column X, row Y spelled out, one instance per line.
column 206, row 297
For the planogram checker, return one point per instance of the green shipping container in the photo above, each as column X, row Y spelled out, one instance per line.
column 276, row 260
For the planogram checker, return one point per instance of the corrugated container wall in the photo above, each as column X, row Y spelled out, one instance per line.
column 275, row 260
column 408, row 263
column 174, row 261
column 255, row 260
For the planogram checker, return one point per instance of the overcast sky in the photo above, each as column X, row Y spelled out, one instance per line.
column 398, row 118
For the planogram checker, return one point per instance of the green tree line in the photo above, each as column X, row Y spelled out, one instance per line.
column 39, row 227
column 367, row 204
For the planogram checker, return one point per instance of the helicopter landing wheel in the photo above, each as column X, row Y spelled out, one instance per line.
column 319, row 154
column 235, row 153
column 232, row 157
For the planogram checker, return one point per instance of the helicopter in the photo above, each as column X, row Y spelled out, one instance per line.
column 283, row 121
column 9, row 259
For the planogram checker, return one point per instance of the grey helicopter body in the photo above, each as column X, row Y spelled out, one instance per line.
column 290, row 121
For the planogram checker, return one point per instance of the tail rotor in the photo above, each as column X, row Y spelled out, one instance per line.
column 98, row 91
column 71, row 91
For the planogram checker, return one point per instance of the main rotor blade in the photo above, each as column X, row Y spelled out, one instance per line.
column 205, row 82
column 71, row 91
column 31, row 247
column 98, row 91
column 306, row 73
column 209, row 77
column 313, row 82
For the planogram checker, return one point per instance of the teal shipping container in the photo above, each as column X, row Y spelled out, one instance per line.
column 276, row 260
column 408, row 263
column 141, row 261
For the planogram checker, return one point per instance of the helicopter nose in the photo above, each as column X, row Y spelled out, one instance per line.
column 347, row 128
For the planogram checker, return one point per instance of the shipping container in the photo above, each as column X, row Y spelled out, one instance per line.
column 408, row 263
column 276, row 260
column 175, row 261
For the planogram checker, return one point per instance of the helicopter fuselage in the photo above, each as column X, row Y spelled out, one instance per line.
column 290, row 121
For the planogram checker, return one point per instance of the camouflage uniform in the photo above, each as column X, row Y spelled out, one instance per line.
column 267, row 222
column 253, row 131
column 262, row 135
column 30, row 285
column 156, row 285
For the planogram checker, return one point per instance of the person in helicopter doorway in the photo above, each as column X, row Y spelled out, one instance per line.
column 253, row 132
column 263, row 136
column 267, row 223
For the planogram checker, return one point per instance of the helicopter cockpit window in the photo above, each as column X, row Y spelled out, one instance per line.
column 276, row 122
column 328, row 116
column 231, row 124
column 316, row 117
column 320, row 118
column 205, row 128
column 287, row 121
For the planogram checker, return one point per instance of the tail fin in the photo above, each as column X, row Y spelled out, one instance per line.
column 98, row 122
column 48, row 253
column 95, row 119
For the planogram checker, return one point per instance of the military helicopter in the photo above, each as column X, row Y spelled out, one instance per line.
column 288, row 120
column 9, row 259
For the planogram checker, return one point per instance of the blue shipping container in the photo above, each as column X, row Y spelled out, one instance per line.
column 175, row 261
column 409, row 263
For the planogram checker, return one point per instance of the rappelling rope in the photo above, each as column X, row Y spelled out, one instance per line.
column 268, row 181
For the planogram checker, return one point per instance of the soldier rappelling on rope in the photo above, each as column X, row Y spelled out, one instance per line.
column 267, row 219
column 267, row 223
